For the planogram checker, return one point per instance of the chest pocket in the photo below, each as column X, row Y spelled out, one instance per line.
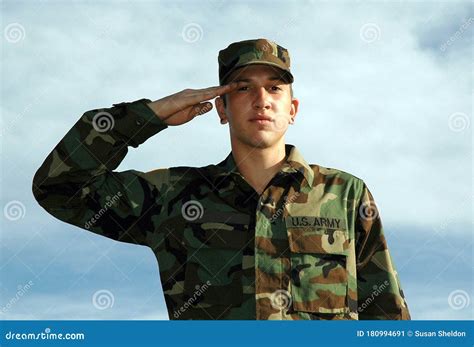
column 215, row 248
column 318, row 258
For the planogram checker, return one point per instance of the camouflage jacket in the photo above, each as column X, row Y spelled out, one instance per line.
column 311, row 246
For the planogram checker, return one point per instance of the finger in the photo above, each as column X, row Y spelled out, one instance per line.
column 221, row 89
column 183, row 100
column 200, row 95
column 231, row 87
column 192, row 111
column 200, row 109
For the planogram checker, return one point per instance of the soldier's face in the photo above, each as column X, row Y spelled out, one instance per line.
column 260, row 112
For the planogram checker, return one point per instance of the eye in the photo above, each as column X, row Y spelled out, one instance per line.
column 245, row 88
column 275, row 88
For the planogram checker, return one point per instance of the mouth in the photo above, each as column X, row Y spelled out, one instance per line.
column 261, row 120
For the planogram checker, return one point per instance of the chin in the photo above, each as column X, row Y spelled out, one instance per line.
column 261, row 139
column 261, row 142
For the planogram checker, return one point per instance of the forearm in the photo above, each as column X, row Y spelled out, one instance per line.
column 98, row 143
column 76, row 181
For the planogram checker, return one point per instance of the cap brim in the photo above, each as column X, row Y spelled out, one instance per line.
column 284, row 74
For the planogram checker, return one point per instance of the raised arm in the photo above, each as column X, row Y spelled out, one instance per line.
column 77, row 183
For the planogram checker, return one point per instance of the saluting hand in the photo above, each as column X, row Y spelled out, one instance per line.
column 181, row 107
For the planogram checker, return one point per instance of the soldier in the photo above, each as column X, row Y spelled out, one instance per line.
column 261, row 235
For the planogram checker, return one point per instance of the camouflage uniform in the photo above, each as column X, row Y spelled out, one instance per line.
column 311, row 246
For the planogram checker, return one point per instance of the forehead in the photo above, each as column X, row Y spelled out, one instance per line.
column 257, row 72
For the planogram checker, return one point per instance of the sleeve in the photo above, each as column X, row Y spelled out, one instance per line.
column 76, row 182
column 380, row 295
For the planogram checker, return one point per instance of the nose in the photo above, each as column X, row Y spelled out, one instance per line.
column 261, row 99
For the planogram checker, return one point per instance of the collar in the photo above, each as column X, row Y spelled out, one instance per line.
column 294, row 164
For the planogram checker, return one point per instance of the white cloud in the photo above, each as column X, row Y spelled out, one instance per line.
column 378, row 110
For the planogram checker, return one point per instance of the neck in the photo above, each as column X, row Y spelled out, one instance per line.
column 258, row 165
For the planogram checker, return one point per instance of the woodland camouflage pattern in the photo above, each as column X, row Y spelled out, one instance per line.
column 311, row 246
column 259, row 51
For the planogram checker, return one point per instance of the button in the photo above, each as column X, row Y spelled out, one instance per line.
column 139, row 121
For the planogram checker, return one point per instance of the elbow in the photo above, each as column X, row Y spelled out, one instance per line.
column 36, row 187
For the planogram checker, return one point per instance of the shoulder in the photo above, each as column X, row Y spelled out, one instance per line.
column 334, row 176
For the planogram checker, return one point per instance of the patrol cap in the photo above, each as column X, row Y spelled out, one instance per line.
column 258, row 51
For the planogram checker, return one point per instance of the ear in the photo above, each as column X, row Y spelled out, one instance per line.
column 221, row 110
column 294, row 109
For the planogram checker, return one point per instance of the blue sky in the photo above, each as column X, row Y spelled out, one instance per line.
column 385, row 93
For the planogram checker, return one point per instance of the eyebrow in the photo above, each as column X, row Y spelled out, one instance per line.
column 248, row 80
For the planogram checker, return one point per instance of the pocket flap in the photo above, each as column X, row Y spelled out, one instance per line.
column 216, row 229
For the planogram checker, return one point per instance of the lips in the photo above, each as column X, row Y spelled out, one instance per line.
column 261, row 119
